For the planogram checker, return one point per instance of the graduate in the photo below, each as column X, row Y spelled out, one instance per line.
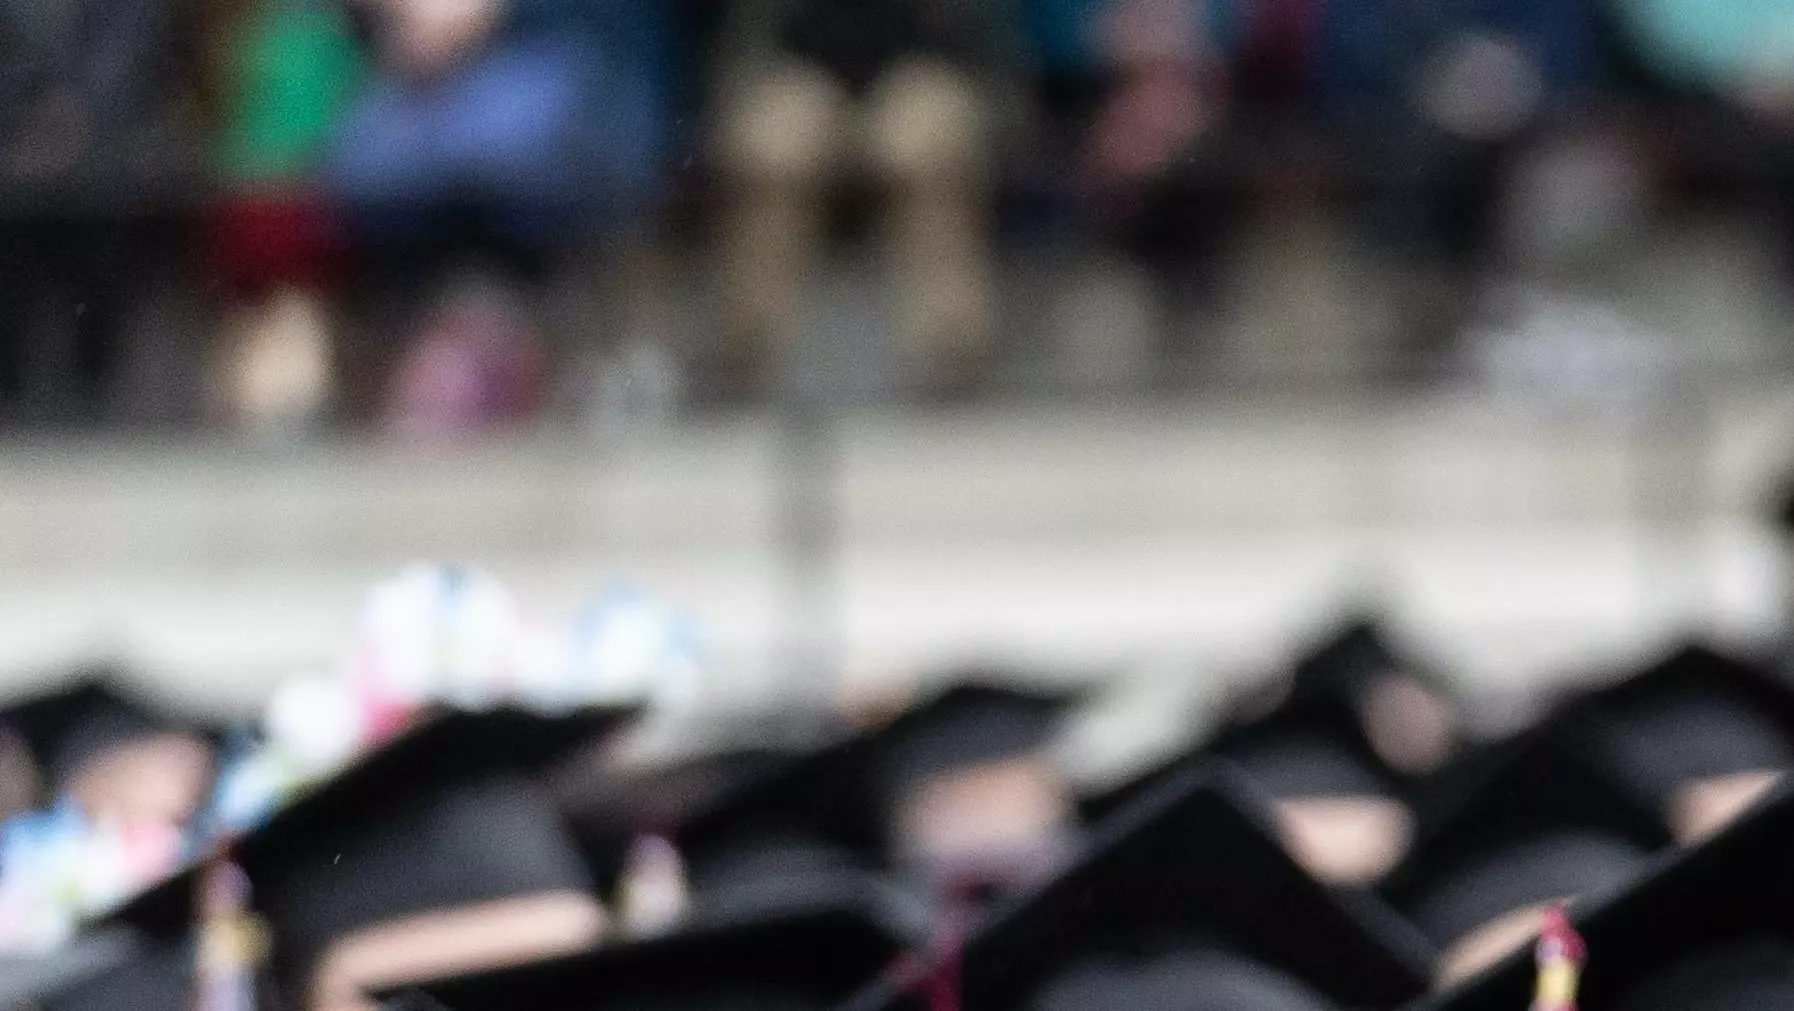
column 1186, row 899
column 1342, row 752
column 441, row 851
column 1710, row 928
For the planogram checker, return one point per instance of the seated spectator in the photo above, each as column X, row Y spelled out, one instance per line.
column 510, row 130
column 1731, row 65
column 98, row 155
column 902, row 90
column 1167, row 91
column 1388, row 123
column 520, row 115
column 291, row 68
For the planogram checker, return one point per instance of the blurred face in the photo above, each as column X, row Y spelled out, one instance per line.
column 156, row 780
column 1704, row 806
column 1409, row 725
column 653, row 891
column 429, row 36
column 985, row 812
column 1349, row 840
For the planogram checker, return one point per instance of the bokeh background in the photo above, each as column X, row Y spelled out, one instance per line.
column 1133, row 336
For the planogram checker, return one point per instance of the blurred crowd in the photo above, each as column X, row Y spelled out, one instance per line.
column 449, row 215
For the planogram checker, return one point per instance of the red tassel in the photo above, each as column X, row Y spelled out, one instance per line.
column 1560, row 953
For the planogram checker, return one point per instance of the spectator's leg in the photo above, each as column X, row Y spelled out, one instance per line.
column 159, row 377
column 275, row 254
column 20, row 279
column 781, row 138
column 118, row 260
column 397, row 190
column 46, row 311
column 931, row 144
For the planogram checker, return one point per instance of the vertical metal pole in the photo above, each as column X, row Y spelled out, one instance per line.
column 810, row 541
column 1671, row 499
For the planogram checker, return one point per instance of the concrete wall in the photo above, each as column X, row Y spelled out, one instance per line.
column 1513, row 543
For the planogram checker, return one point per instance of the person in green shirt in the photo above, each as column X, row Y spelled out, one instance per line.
column 291, row 70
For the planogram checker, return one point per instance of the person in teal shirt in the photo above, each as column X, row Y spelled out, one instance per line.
column 1733, row 48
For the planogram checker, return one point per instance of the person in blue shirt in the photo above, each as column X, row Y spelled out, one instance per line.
column 531, row 123
column 530, row 138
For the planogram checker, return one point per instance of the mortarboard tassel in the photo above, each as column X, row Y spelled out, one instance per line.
column 655, row 895
column 935, row 973
column 233, row 941
column 1560, row 953
column 942, row 985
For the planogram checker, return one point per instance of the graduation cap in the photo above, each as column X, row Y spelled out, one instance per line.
column 1185, row 894
column 1699, row 736
column 1339, row 809
column 849, row 821
column 609, row 807
column 1519, row 824
column 69, row 731
column 1357, row 720
column 450, row 814
column 805, row 833
column 973, row 799
column 972, row 722
column 1406, row 712
column 1710, row 927
column 1333, row 754
column 793, row 962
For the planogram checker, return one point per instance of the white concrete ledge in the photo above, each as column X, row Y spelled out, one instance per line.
column 1514, row 540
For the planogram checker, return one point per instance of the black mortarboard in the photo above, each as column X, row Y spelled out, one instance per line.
column 1348, row 666
column 1324, row 737
column 64, row 728
column 1320, row 743
column 449, row 813
column 804, row 833
column 972, row 722
column 1186, row 891
column 1710, row 927
column 1320, row 736
column 610, row 807
column 796, row 962
column 1529, row 820
column 1698, row 715
column 973, row 798
column 818, row 828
